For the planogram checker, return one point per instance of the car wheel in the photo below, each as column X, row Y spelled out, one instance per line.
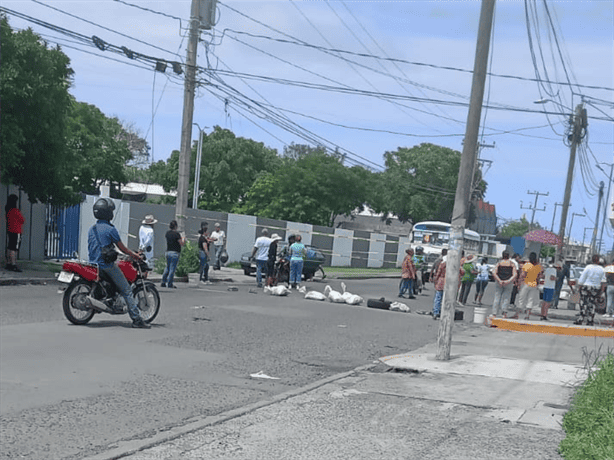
column 247, row 271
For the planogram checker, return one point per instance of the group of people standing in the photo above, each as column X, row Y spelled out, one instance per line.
column 516, row 282
column 265, row 254
column 175, row 241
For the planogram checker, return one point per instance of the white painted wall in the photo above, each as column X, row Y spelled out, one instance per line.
column 377, row 245
column 241, row 235
column 342, row 248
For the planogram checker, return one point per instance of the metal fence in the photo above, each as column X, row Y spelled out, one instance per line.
column 61, row 232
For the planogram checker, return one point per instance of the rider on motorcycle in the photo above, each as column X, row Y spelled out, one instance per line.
column 102, row 234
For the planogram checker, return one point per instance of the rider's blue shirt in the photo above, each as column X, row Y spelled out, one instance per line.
column 107, row 234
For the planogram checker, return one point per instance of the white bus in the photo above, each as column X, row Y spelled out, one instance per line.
column 433, row 236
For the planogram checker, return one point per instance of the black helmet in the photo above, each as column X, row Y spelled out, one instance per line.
column 103, row 209
column 419, row 249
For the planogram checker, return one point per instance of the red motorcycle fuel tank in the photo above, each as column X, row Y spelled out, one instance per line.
column 128, row 270
column 88, row 272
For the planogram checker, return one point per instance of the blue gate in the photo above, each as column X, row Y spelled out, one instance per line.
column 61, row 232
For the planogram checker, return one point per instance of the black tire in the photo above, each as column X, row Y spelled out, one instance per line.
column 247, row 271
column 380, row 304
column 317, row 275
column 148, row 301
column 74, row 304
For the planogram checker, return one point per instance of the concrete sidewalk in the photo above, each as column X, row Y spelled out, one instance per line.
column 501, row 396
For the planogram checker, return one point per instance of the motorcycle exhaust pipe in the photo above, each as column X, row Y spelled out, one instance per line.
column 97, row 305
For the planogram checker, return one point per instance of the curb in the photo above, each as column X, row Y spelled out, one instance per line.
column 133, row 446
column 565, row 329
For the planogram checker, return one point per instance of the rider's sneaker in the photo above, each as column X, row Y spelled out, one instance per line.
column 140, row 324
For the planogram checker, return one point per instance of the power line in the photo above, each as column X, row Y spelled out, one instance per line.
column 103, row 27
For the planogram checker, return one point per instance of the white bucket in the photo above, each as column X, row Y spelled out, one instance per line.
column 479, row 315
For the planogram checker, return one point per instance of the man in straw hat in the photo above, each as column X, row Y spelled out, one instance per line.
column 146, row 238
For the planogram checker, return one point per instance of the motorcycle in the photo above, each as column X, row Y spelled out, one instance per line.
column 91, row 291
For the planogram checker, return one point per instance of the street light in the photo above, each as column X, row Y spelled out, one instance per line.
column 199, row 153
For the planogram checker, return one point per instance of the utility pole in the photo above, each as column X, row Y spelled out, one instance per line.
column 578, row 130
column 199, row 154
column 594, row 239
column 554, row 214
column 605, row 208
column 200, row 18
column 534, row 208
column 465, row 179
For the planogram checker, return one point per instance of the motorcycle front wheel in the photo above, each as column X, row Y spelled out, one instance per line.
column 75, row 305
column 148, row 300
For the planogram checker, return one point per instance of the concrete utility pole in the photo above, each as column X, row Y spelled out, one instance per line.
column 579, row 126
column 465, row 179
column 201, row 17
column 605, row 207
column 534, row 208
column 594, row 239
column 199, row 154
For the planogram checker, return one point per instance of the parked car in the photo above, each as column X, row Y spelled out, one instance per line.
column 311, row 265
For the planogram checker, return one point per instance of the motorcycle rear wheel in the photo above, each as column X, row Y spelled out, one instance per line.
column 74, row 303
column 148, row 301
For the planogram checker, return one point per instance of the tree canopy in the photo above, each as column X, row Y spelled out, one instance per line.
column 229, row 167
column 98, row 147
column 53, row 147
column 34, row 82
column 310, row 186
column 419, row 183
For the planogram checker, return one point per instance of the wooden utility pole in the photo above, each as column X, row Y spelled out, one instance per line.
column 465, row 179
column 579, row 124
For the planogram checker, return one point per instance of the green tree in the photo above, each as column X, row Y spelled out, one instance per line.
column 516, row 228
column 310, row 186
column 229, row 167
column 98, row 146
column 34, row 82
column 419, row 183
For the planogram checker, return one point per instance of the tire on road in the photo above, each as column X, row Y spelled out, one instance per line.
column 74, row 304
column 380, row 304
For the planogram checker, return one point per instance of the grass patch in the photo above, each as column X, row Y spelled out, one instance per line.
column 589, row 424
column 233, row 265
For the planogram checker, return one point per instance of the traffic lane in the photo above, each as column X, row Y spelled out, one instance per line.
column 278, row 334
column 217, row 339
column 22, row 304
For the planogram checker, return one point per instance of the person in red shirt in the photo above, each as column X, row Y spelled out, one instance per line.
column 14, row 224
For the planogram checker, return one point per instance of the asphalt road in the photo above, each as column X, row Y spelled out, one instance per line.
column 71, row 391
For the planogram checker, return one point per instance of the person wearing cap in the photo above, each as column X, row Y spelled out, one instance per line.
column 271, row 281
column 219, row 241
column 261, row 252
column 468, row 275
column 146, row 239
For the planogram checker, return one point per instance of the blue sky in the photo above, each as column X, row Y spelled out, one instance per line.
column 435, row 39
